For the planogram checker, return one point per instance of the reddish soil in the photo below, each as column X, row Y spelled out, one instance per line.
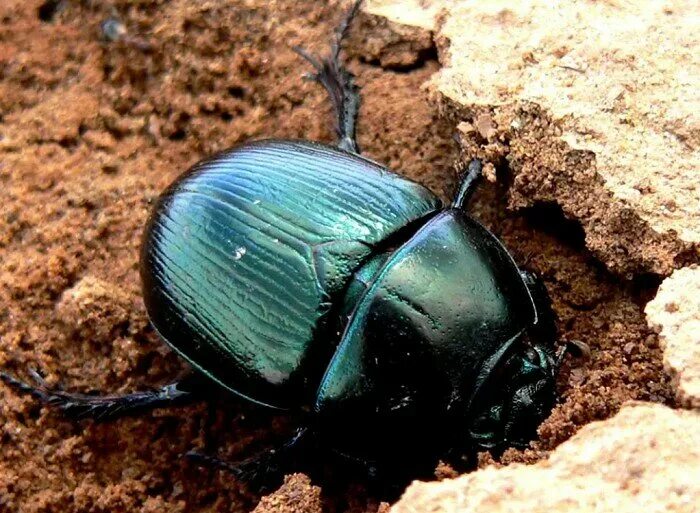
column 91, row 131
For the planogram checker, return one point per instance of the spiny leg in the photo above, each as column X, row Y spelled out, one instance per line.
column 339, row 83
column 262, row 466
column 470, row 180
column 105, row 407
column 545, row 329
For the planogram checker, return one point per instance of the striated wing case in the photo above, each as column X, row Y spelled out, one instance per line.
column 245, row 254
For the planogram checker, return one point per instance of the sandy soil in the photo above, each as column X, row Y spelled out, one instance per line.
column 91, row 131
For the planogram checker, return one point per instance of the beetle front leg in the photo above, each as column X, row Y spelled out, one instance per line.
column 545, row 330
column 104, row 407
column 339, row 82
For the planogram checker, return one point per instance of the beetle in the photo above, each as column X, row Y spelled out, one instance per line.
column 306, row 277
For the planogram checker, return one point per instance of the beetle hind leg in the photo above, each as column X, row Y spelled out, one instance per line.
column 339, row 82
column 249, row 470
column 261, row 468
column 470, row 180
column 101, row 407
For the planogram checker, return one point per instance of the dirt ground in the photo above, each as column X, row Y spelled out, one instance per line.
column 92, row 130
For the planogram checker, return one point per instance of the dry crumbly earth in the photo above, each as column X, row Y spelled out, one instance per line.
column 675, row 312
column 91, row 131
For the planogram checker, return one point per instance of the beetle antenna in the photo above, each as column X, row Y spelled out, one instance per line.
column 469, row 182
column 339, row 82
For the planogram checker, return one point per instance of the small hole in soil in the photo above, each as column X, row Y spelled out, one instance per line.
column 226, row 116
column 177, row 135
column 549, row 218
column 422, row 58
column 68, row 143
column 236, row 91
column 643, row 287
column 49, row 9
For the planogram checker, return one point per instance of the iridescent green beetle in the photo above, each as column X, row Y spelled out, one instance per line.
column 306, row 277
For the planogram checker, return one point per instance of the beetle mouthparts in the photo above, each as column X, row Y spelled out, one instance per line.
column 511, row 413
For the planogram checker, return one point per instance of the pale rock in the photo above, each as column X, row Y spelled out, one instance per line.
column 594, row 105
column 675, row 312
column 646, row 458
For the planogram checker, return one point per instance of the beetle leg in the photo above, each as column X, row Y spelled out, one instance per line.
column 259, row 467
column 545, row 330
column 576, row 348
column 102, row 407
column 339, row 82
column 470, row 180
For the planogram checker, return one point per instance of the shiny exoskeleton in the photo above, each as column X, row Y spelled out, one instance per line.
column 306, row 277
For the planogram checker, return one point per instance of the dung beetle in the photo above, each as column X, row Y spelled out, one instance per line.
column 306, row 277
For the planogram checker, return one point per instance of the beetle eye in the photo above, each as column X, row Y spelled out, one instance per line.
column 532, row 356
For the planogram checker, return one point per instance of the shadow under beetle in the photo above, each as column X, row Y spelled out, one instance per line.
column 306, row 277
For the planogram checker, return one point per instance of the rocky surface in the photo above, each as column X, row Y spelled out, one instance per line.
column 646, row 458
column 583, row 115
column 675, row 311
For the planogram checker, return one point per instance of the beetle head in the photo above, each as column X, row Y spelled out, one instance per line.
column 523, row 397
